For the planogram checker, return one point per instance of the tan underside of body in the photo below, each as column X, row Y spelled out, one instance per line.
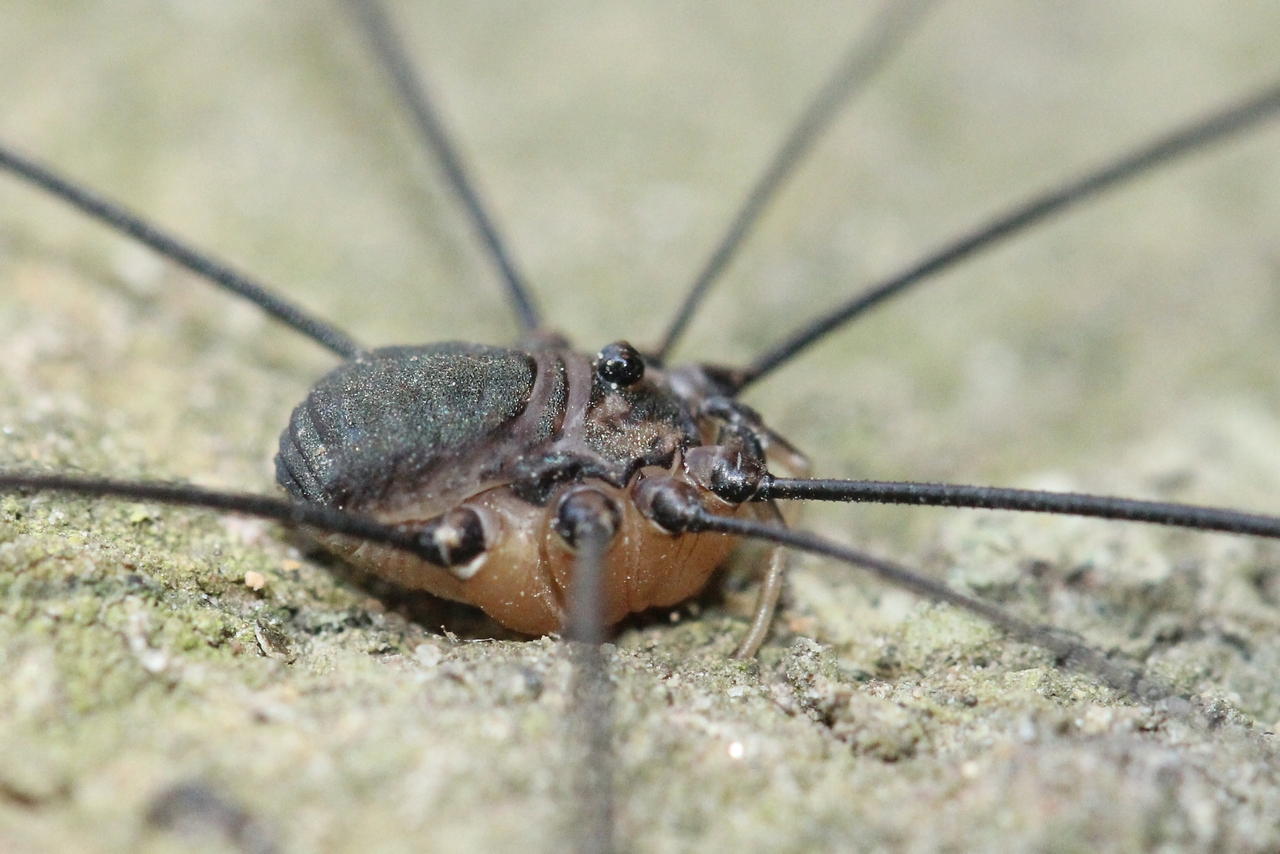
column 523, row 579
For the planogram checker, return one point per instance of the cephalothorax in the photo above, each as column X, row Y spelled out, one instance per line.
column 490, row 451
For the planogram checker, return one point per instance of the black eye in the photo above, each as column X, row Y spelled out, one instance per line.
column 621, row 364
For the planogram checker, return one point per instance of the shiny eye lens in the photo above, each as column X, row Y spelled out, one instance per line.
column 620, row 364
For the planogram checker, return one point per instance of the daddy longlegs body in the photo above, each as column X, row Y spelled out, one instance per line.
column 704, row 726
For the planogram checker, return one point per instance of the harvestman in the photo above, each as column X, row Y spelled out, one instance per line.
column 560, row 492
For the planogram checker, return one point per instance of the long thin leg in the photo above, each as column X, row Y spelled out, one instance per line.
column 1219, row 519
column 183, row 495
column 858, row 68
column 377, row 28
column 1122, row 676
column 1219, row 127
column 593, row 719
column 767, row 599
column 591, row 692
column 1026, row 500
column 223, row 275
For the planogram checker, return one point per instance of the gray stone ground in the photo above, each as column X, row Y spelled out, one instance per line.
column 1132, row 349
